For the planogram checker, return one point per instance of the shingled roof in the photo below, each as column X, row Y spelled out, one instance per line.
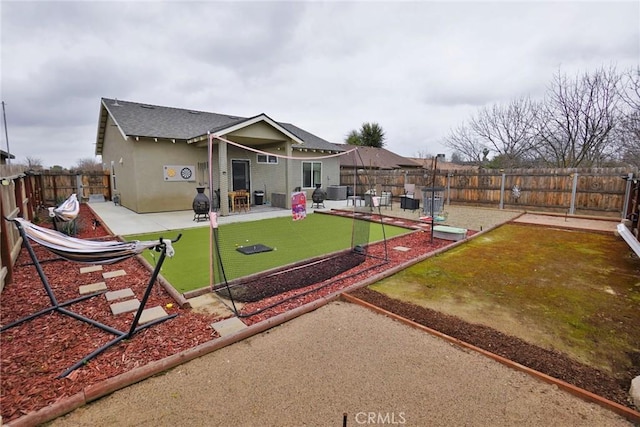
column 154, row 121
column 376, row 158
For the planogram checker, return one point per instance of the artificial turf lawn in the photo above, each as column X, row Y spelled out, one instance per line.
column 292, row 241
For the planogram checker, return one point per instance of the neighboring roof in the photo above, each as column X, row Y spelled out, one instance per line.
column 6, row 155
column 442, row 165
column 378, row 158
column 154, row 121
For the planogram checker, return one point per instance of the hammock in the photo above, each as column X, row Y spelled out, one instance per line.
column 88, row 251
column 91, row 252
column 67, row 211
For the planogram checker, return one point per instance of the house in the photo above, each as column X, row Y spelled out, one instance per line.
column 376, row 158
column 4, row 156
column 158, row 156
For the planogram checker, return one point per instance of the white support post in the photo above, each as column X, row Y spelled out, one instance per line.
column 502, row 191
column 574, row 190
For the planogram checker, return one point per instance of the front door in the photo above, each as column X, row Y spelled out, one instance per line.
column 240, row 175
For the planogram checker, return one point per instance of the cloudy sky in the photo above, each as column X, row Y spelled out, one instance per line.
column 418, row 69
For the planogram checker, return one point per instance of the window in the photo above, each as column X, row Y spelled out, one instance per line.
column 311, row 174
column 264, row 158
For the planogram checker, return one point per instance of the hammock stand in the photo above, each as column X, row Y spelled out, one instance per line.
column 66, row 213
column 90, row 252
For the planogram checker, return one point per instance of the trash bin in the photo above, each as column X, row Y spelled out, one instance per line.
column 258, row 197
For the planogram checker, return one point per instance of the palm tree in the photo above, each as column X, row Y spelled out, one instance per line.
column 370, row 135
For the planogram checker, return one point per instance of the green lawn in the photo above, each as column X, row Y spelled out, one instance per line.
column 292, row 241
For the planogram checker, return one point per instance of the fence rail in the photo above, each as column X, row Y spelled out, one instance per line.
column 597, row 191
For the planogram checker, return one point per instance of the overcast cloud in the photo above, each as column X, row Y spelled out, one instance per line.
column 418, row 69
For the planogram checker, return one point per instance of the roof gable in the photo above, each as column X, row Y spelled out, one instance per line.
column 153, row 121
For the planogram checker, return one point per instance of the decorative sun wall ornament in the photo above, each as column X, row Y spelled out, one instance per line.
column 515, row 192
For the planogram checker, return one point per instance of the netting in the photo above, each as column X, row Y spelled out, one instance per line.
column 283, row 257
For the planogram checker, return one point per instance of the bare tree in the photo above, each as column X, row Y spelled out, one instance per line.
column 577, row 118
column 34, row 163
column 466, row 143
column 508, row 131
column 88, row 164
column 628, row 133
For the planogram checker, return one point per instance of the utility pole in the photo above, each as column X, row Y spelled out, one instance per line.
column 6, row 134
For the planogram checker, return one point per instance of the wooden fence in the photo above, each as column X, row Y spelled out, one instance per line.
column 597, row 191
column 26, row 194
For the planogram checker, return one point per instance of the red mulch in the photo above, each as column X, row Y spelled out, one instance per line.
column 36, row 352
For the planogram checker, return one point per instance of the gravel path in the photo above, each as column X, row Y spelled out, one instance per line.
column 340, row 359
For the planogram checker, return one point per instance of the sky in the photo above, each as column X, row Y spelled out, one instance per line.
column 418, row 69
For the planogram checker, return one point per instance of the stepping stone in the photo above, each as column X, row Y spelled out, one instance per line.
column 210, row 304
column 228, row 326
column 151, row 314
column 112, row 274
column 90, row 269
column 402, row 248
column 94, row 287
column 122, row 293
column 125, row 306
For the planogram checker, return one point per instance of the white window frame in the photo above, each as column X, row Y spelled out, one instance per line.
column 266, row 159
column 312, row 177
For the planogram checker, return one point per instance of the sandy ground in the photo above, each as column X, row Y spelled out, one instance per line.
column 341, row 359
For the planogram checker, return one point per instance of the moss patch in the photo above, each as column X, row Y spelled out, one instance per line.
column 574, row 291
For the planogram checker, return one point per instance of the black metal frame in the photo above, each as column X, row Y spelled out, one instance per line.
column 60, row 307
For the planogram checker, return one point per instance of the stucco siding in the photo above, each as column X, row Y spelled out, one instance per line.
column 154, row 193
column 261, row 130
column 115, row 149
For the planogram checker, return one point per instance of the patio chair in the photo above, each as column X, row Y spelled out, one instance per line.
column 241, row 200
column 89, row 252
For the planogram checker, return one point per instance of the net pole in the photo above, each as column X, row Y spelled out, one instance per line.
column 211, row 213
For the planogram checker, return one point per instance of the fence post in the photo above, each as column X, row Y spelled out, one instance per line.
column 449, row 174
column 79, row 191
column 502, row 191
column 627, row 196
column 574, row 190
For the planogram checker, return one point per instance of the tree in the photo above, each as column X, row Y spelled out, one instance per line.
column 628, row 133
column 353, row 138
column 465, row 143
column 33, row 163
column 506, row 130
column 369, row 135
column 577, row 118
column 88, row 164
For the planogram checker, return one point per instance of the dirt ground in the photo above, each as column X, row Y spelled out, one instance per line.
column 341, row 359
